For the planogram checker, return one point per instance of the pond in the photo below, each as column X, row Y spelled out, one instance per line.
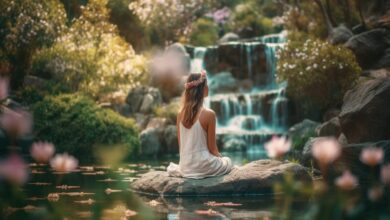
column 99, row 192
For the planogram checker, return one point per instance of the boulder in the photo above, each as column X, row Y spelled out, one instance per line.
column 157, row 123
column 228, row 37
column 364, row 114
column 303, row 129
column 150, row 142
column 222, row 83
column 257, row 177
column 369, row 46
column 329, row 128
column 143, row 99
column 377, row 73
column 340, row 34
column 170, row 139
column 384, row 61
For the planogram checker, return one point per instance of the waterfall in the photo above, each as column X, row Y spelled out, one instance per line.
column 251, row 116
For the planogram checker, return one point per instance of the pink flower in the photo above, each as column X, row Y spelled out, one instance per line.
column 64, row 163
column 4, row 82
column 277, row 146
column 42, row 151
column 385, row 174
column 326, row 150
column 14, row 169
column 372, row 156
column 16, row 122
column 375, row 193
column 347, row 181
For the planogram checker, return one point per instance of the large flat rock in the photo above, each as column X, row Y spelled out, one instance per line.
column 256, row 177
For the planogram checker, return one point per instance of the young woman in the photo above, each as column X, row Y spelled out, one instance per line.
column 199, row 155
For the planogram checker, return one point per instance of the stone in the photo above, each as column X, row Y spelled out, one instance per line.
column 384, row 61
column 303, row 129
column 150, row 142
column 378, row 73
column 329, row 128
column 143, row 99
column 257, row 177
column 157, row 123
column 364, row 114
column 170, row 139
column 228, row 37
column 340, row 34
column 222, row 83
column 234, row 145
column 369, row 46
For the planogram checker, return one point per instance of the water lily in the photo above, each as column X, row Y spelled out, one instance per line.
column 42, row 151
column 14, row 170
column 347, row 181
column 64, row 163
column 372, row 156
column 16, row 123
column 277, row 146
column 375, row 193
column 326, row 150
column 385, row 174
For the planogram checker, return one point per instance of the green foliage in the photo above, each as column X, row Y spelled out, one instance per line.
column 248, row 21
column 168, row 111
column 204, row 32
column 91, row 56
column 298, row 142
column 78, row 126
column 317, row 72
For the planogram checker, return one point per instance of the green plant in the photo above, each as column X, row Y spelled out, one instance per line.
column 168, row 111
column 318, row 73
column 204, row 32
column 75, row 124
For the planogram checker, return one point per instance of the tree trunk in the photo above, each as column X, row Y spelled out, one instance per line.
column 325, row 15
column 359, row 8
column 329, row 12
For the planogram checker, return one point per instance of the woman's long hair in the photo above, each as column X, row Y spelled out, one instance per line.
column 192, row 100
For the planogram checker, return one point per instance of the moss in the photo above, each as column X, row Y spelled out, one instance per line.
column 77, row 125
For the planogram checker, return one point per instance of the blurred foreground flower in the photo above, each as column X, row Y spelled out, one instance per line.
column 375, row 193
column 372, row 156
column 42, row 151
column 347, row 181
column 326, row 150
column 4, row 82
column 277, row 146
column 64, row 163
column 14, row 170
column 385, row 174
column 16, row 123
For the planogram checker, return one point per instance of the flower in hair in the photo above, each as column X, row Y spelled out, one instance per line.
column 197, row 82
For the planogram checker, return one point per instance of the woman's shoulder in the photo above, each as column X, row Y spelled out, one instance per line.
column 209, row 113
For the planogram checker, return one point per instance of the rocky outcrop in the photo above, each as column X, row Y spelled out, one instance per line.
column 222, row 83
column 340, row 34
column 303, row 129
column 143, row 99
column 150, row 142
column 170, row 139
column 229, row 37
column 369, row 47
column 257, row 177
column 365, row 115
column 329, row 128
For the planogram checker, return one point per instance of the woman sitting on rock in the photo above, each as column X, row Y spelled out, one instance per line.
column 199, row 155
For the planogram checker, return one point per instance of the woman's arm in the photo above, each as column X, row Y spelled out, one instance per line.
column 211, row 141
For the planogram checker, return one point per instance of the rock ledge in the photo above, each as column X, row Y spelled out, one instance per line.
column 256, row 177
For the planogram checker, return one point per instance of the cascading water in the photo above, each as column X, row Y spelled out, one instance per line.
column 249, row 116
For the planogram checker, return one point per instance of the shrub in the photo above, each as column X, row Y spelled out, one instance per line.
column 317, row 72
column 91, row 56
column 169, row 111
column 204, row 32
column 78, row 126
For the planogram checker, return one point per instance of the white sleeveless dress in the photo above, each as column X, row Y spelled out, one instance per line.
column 196, row 161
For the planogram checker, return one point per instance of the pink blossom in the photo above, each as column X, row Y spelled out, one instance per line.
column 14, row 169
column 42, row 151
column 385, row 174
column 347, row 181
column 372, row 156
column 277, row 146
column 326, row 150
column 64, row 163
column 375, row 193
column 4, row 82
column 16, row 122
